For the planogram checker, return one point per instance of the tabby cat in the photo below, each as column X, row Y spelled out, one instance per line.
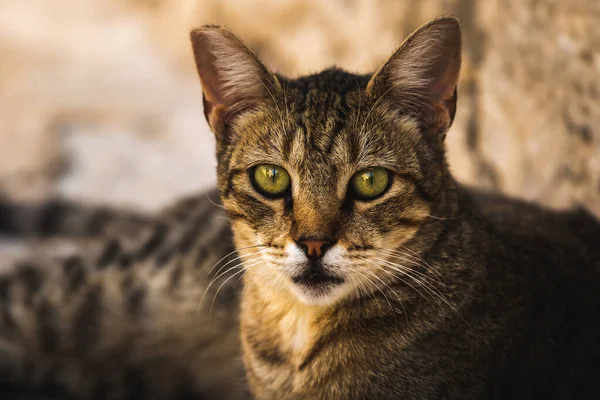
column 368, row 271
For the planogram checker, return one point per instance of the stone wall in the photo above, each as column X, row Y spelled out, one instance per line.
column 99, row 99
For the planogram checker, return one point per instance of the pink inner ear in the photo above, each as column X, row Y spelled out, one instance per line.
column 207, row 71
column 445, row 79
column 210, row 84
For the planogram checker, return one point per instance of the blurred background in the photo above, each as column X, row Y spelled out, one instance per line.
column 100, row 101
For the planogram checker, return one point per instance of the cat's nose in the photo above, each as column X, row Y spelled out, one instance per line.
column 314, row 249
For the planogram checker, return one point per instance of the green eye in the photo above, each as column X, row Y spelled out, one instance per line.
column 270, row 180
column 370, row 183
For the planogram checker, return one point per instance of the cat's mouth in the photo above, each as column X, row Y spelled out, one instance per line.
column 315, row 280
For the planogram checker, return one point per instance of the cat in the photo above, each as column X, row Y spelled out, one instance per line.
column 121, row 316
column 368, row 271
column 378, row 276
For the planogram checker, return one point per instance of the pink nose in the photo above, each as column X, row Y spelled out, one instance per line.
column 314, row 249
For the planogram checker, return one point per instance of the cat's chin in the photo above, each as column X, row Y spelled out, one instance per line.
column 320, row 295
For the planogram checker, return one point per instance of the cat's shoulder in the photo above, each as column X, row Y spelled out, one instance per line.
column 528, row 224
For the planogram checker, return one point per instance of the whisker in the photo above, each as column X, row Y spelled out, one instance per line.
column 218, row 275
column 408, row 257
column 392, row 290
column 216, row 278
column 241, row 271
column 407, row 271
column 235, row 259
column 381, row 267
column 431, row 290
column 213, row 203
column 232, row 252
column 382, row 292
column 276, row 280
column 445, row 218
column 417, row 259
column 366, row 288
column 419, row 273
column 254, row 278
column 399, row 300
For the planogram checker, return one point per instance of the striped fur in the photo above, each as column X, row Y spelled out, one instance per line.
column 124, row 319
column 432, row 299
column 62, row 218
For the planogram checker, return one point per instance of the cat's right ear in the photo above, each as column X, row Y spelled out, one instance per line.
column 233, row 79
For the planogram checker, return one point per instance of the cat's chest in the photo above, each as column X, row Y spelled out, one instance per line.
column 297, row 334
column 289, row 335
column 282, row 352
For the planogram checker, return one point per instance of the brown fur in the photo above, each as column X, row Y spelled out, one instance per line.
column 135, row 314
column 438, row 300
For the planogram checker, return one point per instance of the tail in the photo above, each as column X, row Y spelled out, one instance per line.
column 59, row 217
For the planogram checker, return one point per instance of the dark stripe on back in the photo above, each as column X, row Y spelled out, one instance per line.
column 5, row 285
column 98, row 221
column 191, row 235
column 157, row 237
column 110, row 254
column 8, row 324
column 185, row 208
column 51, row 215
column 125, row 261
column 86, row 323
column 163, row 258
column 47, row 327
column 74, row 272
column 31, row 279
column 135, row 295
column 175, row 278
column 201, row 256
column 7, row 218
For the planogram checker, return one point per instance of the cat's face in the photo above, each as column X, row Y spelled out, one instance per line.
column 325, row 177
column 324, row 170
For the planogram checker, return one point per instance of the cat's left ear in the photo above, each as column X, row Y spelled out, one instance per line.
column 421, row 76
column 233, row 79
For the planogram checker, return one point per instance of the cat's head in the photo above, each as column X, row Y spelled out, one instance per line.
column 325, row 177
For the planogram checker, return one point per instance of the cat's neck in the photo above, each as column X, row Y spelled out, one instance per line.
column 275, row 322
